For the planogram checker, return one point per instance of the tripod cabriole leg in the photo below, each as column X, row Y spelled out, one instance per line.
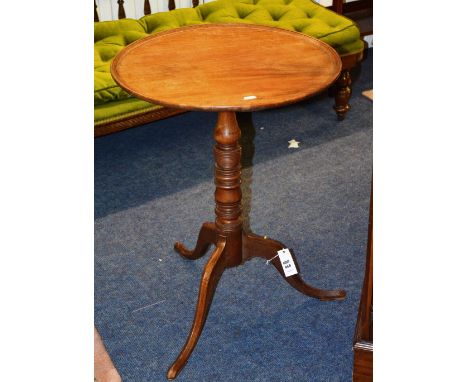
column 211, row 275
column 258, row 246
column 206, row 237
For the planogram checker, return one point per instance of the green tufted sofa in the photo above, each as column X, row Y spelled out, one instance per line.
column 116, row 110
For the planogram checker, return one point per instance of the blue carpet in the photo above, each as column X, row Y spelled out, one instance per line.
column 153, row 186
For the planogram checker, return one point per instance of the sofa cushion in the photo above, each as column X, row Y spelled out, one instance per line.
column 158, row 22
column 110, row 38
column 299, row 15
column 112, row 111
column 303, row 16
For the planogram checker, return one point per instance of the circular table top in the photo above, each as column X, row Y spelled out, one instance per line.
column 226, row 67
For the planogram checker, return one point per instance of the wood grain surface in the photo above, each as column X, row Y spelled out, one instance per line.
column 226, row 67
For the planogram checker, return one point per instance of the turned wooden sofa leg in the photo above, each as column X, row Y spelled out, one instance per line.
column 342, row 94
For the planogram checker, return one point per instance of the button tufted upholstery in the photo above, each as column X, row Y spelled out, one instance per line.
column 305, row 16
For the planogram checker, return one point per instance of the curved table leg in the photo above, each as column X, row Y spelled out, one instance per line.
column 211, row 275
column 258, row 246
column 206, row 237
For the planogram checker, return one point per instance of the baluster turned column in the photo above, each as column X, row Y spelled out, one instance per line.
column 343, row 93
column 121, row 14
column 228, row 195
column 96, row 17
column 147, row 8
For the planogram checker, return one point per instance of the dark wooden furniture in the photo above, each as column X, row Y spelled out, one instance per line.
column 341, row 88
column 233, row 67
column 363, row 338
column 141, row 118
column 360, row 11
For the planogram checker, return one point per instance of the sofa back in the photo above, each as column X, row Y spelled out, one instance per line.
column 146, row 7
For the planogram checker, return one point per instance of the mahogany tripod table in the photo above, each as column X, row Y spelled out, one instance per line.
column 227, row 68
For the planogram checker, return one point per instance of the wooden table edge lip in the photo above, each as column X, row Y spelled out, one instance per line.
column 290, row 101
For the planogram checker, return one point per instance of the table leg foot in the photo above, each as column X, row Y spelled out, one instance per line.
column 342, row 95
column 211, row 275
column 258, row 246
column 206, row 237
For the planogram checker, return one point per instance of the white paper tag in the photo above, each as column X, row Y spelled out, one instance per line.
column 287, row 262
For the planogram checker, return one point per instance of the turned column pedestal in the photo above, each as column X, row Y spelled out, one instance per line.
column 232, row 244
column 227, row 68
